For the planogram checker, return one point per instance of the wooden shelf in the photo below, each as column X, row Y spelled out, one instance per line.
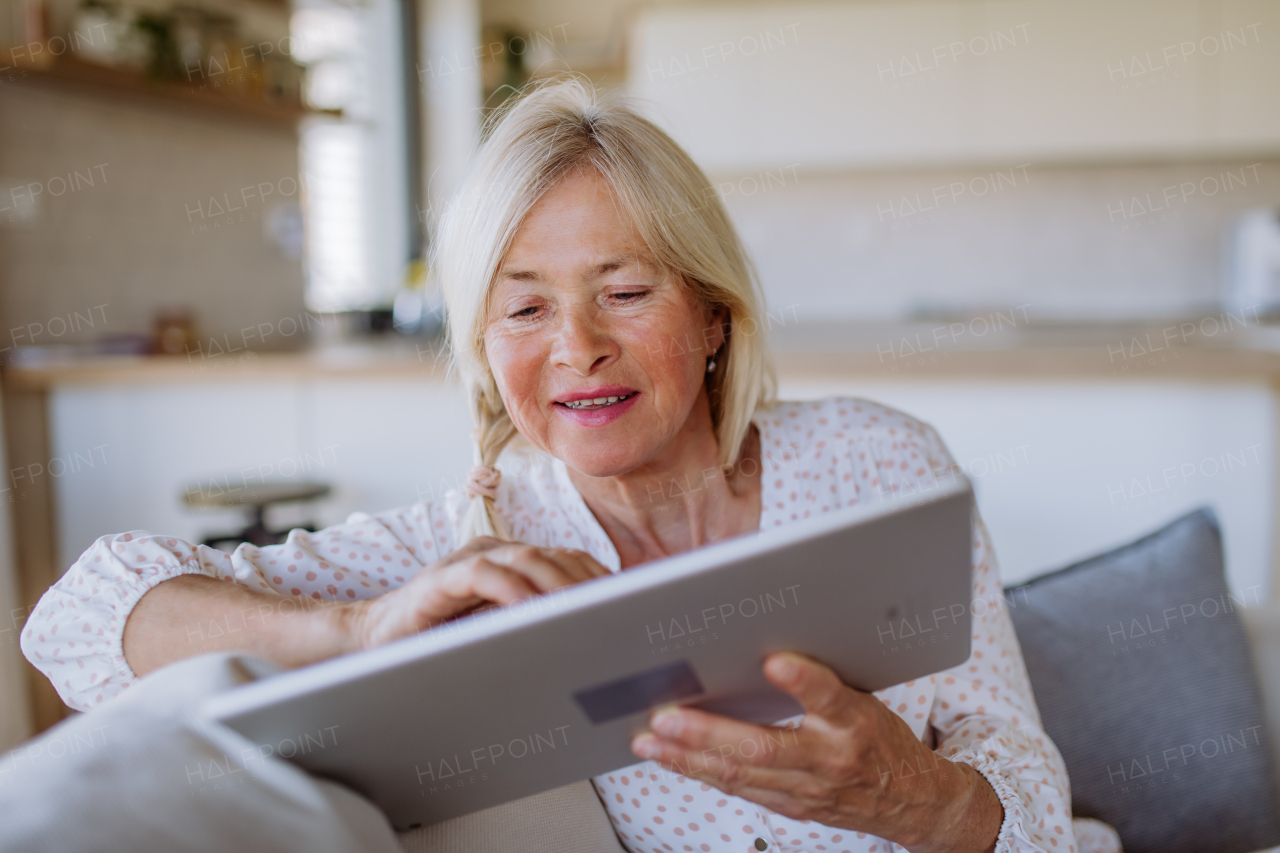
column 135, row 85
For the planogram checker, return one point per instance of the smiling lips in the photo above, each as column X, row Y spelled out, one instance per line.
column 595, row 402
column 594, row 407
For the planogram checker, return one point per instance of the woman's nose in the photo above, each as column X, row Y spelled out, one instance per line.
column 582, row 344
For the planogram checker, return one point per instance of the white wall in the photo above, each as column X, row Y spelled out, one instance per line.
column 892, row 83
column 131, row 215
column 1069, row 242
column 878, row 167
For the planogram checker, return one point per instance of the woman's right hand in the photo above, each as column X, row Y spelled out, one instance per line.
column 485, row 570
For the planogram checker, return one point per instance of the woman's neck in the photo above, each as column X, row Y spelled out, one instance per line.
column 679, row 501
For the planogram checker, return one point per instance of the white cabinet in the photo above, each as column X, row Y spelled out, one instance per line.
column 125, row 454
column 889, row 83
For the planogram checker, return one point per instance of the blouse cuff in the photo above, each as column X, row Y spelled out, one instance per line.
column 1011, row 823
column 132, row 593
column 100, row 592
column 996, row 759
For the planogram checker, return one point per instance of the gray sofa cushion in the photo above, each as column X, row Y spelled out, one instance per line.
column 1142, row 673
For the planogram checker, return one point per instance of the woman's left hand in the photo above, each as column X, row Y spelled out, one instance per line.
column 852, row 763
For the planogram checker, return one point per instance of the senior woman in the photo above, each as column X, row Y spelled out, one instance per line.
column 606, row 320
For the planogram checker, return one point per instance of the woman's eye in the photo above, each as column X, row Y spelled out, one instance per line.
column 526, row 312
column 630, row 295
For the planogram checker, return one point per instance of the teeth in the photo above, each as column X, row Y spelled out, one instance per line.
column 596, row 402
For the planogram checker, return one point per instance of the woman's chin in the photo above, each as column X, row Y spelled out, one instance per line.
column 605, row 461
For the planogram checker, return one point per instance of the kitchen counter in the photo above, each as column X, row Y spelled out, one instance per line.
column 1193, row 349
column 394, row 358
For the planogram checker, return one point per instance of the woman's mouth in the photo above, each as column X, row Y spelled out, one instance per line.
column 605, row 404
column 596, row 402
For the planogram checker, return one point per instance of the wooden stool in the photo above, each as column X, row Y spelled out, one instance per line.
column 256, row 499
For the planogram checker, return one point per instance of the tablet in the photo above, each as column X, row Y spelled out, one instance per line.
column 507, row 703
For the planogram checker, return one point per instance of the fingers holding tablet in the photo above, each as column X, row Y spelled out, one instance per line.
column 551, row 568
column 483, row 573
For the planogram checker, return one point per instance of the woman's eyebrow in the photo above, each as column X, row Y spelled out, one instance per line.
column 519, row 275
column 608, row 265
column 615, row 263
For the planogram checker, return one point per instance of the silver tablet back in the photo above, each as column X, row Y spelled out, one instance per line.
column 508, row 703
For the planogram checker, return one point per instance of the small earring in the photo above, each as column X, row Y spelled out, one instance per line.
column 711, row 365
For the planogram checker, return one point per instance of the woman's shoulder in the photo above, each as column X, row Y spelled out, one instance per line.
column 804, row 423
column 820, row 455
column 842, row 449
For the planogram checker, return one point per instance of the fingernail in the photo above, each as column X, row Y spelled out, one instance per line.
column 667, row 722
column 784, row 666
column 646, row 746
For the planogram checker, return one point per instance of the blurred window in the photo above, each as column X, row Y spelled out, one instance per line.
column 355, row 166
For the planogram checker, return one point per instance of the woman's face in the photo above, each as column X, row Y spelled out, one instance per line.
column 579, row 313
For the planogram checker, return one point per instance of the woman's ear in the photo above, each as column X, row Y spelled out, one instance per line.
column 716, row 330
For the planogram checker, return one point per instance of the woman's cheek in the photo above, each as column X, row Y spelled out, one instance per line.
column 531, row 422
column 521, row 399
column 517, row 370
column 664, row 349
column 683, row 366
column 514, row 357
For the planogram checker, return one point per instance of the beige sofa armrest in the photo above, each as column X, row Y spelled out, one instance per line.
column 566, row 819
column 1262, row 624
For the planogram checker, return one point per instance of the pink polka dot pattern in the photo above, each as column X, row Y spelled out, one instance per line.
column 816, row 457
column 819, row 457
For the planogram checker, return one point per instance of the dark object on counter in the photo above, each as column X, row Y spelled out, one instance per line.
column 163, row 57
column 123, row 343
column 381, row 320
column 257, row 498
column 174, row 332
column 364, row 322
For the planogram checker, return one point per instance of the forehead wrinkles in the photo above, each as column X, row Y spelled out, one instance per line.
column 594, row 199
column 594, row 250
column 586, row 271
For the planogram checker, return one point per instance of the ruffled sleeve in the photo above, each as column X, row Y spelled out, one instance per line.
column 984, row 713
column 74, row 634
column 984, row 716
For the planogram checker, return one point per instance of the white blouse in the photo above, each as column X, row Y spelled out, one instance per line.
column 815, row 457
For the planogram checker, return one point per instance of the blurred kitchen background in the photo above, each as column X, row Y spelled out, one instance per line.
column 1046, row 226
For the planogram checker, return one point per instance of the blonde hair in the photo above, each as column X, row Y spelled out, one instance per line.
column 532, row 143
